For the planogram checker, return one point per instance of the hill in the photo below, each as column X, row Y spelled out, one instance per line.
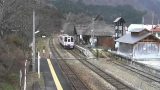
column 108, row 12
column 149, row 6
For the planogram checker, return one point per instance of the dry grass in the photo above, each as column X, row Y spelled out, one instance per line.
column 33, row 78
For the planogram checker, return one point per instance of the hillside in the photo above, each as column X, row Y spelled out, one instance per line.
column 150, row 6
column 109, row 13
column 16, row 19
column 138, row 4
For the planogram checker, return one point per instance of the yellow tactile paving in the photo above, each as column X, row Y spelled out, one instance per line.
column 54, row 75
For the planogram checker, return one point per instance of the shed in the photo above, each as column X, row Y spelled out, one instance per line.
column 138, row 44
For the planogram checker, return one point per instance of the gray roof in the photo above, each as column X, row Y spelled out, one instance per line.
column 131, row 39
column 68, row 28
column 117, row 19
column 137, row 30
column 99, row 30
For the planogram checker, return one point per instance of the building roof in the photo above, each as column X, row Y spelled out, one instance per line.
column 119, row 19
column 136, row 30
column 155, row 29
column 128, row 38
column 140, row 26
column 134, row 38
column 100, row 29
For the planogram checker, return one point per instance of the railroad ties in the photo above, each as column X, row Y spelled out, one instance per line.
column 72, row 78
column 106, row 76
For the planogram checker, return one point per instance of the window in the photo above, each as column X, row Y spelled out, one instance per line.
column 158, row 34
column 65, row 39
column 71, row 39
column 68, row 40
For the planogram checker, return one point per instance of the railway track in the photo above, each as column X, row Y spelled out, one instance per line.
column 72, row 78
column 106, row 76
column 138, row 71
column 142, row 72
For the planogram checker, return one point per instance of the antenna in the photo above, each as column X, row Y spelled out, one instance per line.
column 152, row 18
column 143, row 20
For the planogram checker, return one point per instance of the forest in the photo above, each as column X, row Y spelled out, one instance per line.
column 16, row 25
column 109, row 13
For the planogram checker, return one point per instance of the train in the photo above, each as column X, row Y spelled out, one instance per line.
column 66, row 41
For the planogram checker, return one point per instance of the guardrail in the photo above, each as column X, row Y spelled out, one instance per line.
column 85, row 51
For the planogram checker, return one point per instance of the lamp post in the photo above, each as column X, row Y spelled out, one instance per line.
column 93, row 39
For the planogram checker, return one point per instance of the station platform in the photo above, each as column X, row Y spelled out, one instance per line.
column 52, row 75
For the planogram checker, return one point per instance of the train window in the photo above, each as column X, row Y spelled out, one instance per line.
column 65, row 39
column 68, row 40
column 71, row 39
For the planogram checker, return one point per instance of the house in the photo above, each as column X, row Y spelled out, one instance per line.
column 101, row 34
column 139, row 44
column 156, row 31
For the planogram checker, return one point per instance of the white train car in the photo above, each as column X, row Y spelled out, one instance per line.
column 66, row 41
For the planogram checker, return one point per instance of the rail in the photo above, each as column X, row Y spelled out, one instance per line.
column 106, row 76
column 132, row 64
column 72, row 77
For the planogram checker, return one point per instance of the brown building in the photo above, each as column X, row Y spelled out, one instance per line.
column 139, row 44
column 102, row 33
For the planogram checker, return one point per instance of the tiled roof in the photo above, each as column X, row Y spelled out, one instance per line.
column 99, row 30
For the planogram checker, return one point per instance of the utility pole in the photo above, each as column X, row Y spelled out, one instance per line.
column 92, row 36
column 33, row 44
column 92, row 33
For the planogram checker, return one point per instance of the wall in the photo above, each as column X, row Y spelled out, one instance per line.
column 146, row 50
column 106, row 42
column 125, row 48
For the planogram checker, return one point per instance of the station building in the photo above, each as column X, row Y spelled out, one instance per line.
column 139, row 44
